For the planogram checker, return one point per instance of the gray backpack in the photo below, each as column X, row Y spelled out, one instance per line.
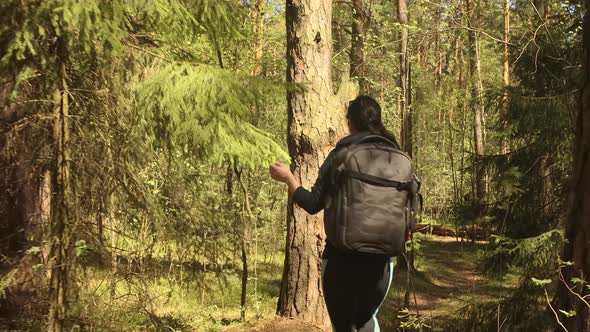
column 372, row 202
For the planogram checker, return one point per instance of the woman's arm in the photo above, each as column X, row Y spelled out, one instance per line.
column 281, row 172
column 312, row 201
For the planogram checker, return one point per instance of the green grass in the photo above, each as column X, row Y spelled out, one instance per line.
column 444, row 283
column 202, row 301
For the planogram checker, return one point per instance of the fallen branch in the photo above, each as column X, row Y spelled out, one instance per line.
column 470, row 232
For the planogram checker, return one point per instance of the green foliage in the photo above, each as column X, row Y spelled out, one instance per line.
column 531, row 255
column 80, row 248
column 204, row 110
column 541, row 282
column 570, row 313
column 152, row 120
column 413, row 245
column 164, row 138
column 6, row 281
column 34, row 250
column 92, row 25
column 524, row 310
column 181, row 22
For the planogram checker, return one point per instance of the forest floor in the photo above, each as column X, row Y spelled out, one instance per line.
column 445, row 281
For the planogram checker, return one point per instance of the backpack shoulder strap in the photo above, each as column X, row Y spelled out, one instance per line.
column 377, row 138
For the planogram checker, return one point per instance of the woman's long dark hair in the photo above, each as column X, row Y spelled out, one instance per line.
column 364, row 113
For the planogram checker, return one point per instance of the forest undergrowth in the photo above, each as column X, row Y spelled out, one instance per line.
column 135, row 140
column 445, row 281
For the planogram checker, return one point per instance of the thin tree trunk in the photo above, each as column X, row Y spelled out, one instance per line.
column 243, row 244
column 61, row 209
column 340, row 37
column 249, row 216
column 405, row 260
column 452, row 160
column 402, row 15
column 477, row 106
column 257, row 17
column 409, row 143
column 506, row 74
column 357, row 69
column 464, row 108
column 244, row 271
column 576, row 248
column 257, row 14
column 437, row 48
column 316, row 122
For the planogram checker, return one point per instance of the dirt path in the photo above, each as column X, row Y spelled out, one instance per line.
column 277, row 325
column 445, row 281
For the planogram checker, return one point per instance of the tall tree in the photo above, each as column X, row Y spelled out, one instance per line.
column 405, row 107
column 357, row 69
column 576, row 248
column 316, row 121
column 61, row 208
column 257, row 14
column 476, row 102
column 71, row 67
column 506, row 71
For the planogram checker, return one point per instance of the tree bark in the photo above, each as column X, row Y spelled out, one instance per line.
column 437, row 50
column 476, row 105
column 506, row 74
column 257, row 15
column 60, row 211
column 23, row 203
column 244, row 293
column 315, row 123
column 357, row 69
column 406, row 136
column 577, row 248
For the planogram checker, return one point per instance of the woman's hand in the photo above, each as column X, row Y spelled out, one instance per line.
column 281, row 172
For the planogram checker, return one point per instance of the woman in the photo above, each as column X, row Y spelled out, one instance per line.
column 355, row 285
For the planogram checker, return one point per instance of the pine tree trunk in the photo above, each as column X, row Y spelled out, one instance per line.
column 477, row 106
column 316, row 122
column 25, row 196
column 577, row 248
column 402, row 15
column 60, row 211
column 257, row 15
column 357, row 69
column 506, row 73
column 437, row 49
column 464, row 110
column 244, row 273
column 405, row 106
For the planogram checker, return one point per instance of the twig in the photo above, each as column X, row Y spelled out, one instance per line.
column 21, row 122
column 571, row 290
column 541, row 18
column 554, row 312
column 155, row 55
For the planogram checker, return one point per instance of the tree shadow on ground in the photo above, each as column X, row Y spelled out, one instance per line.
column 445, row 280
